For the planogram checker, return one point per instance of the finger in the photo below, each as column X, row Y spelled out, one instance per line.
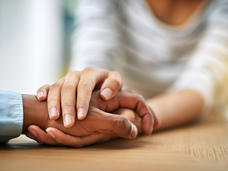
column 132, row 116
column 147, row 118
column 28, row 134
column 40, row 136
column 113, row 124
column 144, row 112
column 131, row 100
column 111, row 86
column 68, row 98
column 42, row 92
column 147, row 124
column 73, row 141
column 154, row 119
column 53, row 99
column 88, row 80
column 127, row 113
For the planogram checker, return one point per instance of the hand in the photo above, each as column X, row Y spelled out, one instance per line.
column 57, row 137
column 130, row 100
column 89, row 78
column 81, row 84
column 127, row 99
column 98, row 121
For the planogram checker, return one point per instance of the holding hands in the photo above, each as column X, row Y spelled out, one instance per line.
column 101, row 115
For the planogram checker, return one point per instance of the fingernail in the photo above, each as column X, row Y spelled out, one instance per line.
column 107, row 93
column 53, row 112
column 50, row 133
column 133, row 131
column 40, row 94
column 68, row 120
column 81, row 113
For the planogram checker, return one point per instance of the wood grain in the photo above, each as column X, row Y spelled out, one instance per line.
column 199, row 146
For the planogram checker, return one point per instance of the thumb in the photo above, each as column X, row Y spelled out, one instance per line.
column 108, row 123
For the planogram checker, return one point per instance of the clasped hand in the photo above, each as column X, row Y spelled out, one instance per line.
column 122, row 114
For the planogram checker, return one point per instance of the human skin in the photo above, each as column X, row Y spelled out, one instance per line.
column 53, row 136
column 176, row 12
column 98, row 124
column 81, row 83
column 179, row 107
column 171, row 109
column 98, row 121
column 75, row 89
column 176, row 108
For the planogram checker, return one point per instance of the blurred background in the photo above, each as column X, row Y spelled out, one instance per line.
column 34, row 42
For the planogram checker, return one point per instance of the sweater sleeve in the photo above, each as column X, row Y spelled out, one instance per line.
column 95, row 40
column 11, row 115
column 208, row 66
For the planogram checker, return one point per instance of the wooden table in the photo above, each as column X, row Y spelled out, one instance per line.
column 199, row 146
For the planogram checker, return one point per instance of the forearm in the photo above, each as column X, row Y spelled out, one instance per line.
column 35, row 112
column 176, row 108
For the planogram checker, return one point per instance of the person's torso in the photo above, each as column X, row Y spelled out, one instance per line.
column 152, row 55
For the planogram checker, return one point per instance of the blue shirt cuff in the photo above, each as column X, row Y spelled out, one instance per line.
column 11, row 115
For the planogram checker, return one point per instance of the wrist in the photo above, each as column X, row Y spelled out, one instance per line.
column 35, row 112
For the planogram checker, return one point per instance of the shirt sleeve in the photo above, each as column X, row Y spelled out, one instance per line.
column 11, row 115
column 95, row 41
column 208, row 67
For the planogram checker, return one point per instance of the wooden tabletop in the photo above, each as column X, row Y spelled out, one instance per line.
column 199, row 146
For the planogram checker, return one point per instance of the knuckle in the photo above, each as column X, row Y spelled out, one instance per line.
column 52, row 87
column 46, row 86
column 68, row 108
column 72, row 74
column 86, row 85
column 55, row 86
column 68, row 86
column 123, row 125
column 52, row 103
column 53, row 99
column 43, row 88
column 116, row 74
column 87, row 69
column 129, row 91
column 39, row 90
column 100, row 71
column 115, row 82
column 59, row 83
column 140, row 97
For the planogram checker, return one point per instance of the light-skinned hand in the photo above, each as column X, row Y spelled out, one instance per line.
column 72, row 93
